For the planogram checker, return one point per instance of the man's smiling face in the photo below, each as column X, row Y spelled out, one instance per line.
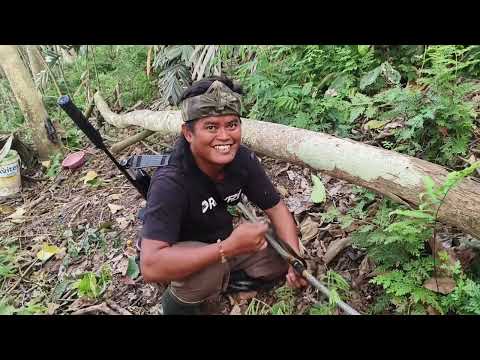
column 215, row 140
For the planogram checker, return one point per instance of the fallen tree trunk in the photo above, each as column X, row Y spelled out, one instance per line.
column 394, row 175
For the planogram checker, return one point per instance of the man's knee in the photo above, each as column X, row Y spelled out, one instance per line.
column 202, row 285
column 267, row 265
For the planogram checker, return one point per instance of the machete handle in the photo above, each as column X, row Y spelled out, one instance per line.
column 79, row 119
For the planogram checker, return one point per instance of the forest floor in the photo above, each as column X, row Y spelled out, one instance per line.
column 93, row 224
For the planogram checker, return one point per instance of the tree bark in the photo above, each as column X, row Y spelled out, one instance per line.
column 28, row 99
column 394, row 175
column 36, row 63
column 67, row 55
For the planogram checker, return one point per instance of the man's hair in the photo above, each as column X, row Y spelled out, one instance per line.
column 201, row 86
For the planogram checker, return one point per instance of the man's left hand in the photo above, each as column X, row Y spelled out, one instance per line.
column 294, row 280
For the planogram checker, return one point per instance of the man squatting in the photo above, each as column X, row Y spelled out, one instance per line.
column 188, row 240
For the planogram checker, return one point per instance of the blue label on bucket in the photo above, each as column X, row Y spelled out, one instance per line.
column 9, row 170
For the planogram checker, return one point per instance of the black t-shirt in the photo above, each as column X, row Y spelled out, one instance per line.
column 184, row 204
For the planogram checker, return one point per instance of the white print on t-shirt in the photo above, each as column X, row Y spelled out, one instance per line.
column 208, row 204
column 234, row 197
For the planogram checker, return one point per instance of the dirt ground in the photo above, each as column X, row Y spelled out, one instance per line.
column 98, row 225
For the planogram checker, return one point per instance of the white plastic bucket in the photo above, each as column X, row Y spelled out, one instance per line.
column 10, row 179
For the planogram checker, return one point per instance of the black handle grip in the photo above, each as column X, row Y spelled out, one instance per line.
column 94, row 136
column 78, row 118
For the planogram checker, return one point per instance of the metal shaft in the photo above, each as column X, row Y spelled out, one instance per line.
column 324, row 290
column 305, row 273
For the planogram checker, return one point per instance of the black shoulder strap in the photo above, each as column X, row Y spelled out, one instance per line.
column 144, row 161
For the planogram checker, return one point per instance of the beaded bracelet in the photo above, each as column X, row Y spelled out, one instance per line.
column 220, row 249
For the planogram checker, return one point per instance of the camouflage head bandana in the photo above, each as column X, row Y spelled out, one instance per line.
column 217, row 100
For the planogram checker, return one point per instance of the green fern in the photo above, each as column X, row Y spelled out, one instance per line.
column 395, row 241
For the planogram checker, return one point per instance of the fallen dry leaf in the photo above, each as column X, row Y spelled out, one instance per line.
column 89, row 177
column 432, row 311
column 445, row 285
column 48, row 251
column 80, row 303
column 281, row 189
column 298, row 204
column 304, row 183
column 115, row 197
column 394, row 125
column 465, row 256
column 51, row 307
column 46, row 164
column 18, row 214
column 308, row 229
column 40, row 238
column 246, row 295
column 444, row 131
column 115, row 208
column 337, row 232
column 335, row 189
column 6, row 210
column 366, row 267
column 122, row 266
column 236, row 310
column 122, row 222
column 282, row 170
column 127, row 281
column 335, row 247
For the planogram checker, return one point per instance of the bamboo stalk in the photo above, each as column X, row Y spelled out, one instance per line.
column 119, row 146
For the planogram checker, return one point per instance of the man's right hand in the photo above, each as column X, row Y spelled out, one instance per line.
column 246, row 238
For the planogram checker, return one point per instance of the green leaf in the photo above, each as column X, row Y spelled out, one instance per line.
column 375, row 124
column 356, row 112
column 413, row 213
column 363, row 49
column 6, row 309
column 390, row 73
column 318, row 191
column 47, row 252
column 60, row 289
column 132, row 269
column 370, row 77
column 91, row 175
column 32, row 308
column 339, row 83
column 346, row 221
column 87, row 286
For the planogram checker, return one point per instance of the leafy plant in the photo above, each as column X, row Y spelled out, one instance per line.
column 413, row 96
column 33, row 307
column 55, row 165
column 257, row 307
column 286, row 301
column 92, row 285
column 7, row 262
column 395, row 241
column 338, row 287
column 318, row 190
column 132, row 269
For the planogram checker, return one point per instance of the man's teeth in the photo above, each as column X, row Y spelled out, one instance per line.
column 223, row 148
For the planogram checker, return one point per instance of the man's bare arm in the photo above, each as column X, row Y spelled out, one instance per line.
column 161, row 262
column 286, row 230
column 284, row 224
